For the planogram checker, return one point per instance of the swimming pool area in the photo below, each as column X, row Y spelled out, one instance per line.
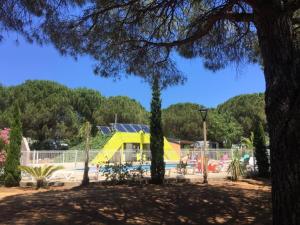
column 144, row 167
column 73, row 164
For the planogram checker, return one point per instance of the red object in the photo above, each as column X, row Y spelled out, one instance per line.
column 212, row 168
column 199, row 166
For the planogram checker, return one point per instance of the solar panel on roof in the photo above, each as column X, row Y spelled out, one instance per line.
column 129, row 128
column 120, row 127
column 137, row 127
column 104, row 130
column 146, row 129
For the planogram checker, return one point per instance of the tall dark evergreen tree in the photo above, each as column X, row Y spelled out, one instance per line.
column 260, row 151
column 156, row 136
column 12, row 173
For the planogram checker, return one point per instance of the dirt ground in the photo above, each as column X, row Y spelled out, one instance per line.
column 220, row 202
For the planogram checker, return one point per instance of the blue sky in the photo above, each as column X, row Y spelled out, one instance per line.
column 29, row 61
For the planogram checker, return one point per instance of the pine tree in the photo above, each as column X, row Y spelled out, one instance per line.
column 156, row 136
column 12, row 173
column 260, row 151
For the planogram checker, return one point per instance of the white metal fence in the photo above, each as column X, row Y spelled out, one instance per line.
column 75, row 158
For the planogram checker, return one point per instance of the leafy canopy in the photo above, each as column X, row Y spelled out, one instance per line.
column 183, row 120
column 137, row 37
column 246, row 110
column 127, row 110
column 53, row 111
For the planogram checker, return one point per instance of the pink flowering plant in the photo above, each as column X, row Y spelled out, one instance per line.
column 4, row 135
column 4, row 141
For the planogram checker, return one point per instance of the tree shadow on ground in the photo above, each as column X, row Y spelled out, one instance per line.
column 217, row 203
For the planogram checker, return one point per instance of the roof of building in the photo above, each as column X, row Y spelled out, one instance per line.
column 123, row 127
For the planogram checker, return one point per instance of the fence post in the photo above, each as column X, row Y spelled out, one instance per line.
column 254, row 161
column 76, row 159
column 202, row 160
column 63, row 161
column 33, row 157
column 37, row 157
column 122, row 154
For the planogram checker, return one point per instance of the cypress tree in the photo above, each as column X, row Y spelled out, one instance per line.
column 260, row 151
column 12, row 173
column 156, row 136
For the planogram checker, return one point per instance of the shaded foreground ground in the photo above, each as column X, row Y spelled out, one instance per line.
column 221, row 202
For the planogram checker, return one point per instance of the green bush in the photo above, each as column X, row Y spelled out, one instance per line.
column 119, row 173
column 2, row 175
column 182, row 167
column 2, row 145
column 10, row 181
column 236, row 167
column 96, row 142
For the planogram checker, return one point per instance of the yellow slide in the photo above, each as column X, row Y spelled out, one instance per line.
column 110, row 148
column 169, row 153
column 117, row 141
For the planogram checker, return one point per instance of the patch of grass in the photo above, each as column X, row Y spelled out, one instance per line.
column 96, row 142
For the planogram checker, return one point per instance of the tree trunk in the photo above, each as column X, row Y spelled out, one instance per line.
column 86, row 180
column 281, row 55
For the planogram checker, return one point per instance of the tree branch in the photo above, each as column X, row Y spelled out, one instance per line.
column 239, row 17
column 293, row 6
column 203, row 28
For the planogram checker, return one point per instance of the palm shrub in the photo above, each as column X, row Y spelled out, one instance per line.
column 236, row 167
column 248, row 142
column 40, row 174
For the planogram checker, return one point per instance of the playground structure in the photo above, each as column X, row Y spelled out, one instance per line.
column 138, row 142
column 134, row 137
